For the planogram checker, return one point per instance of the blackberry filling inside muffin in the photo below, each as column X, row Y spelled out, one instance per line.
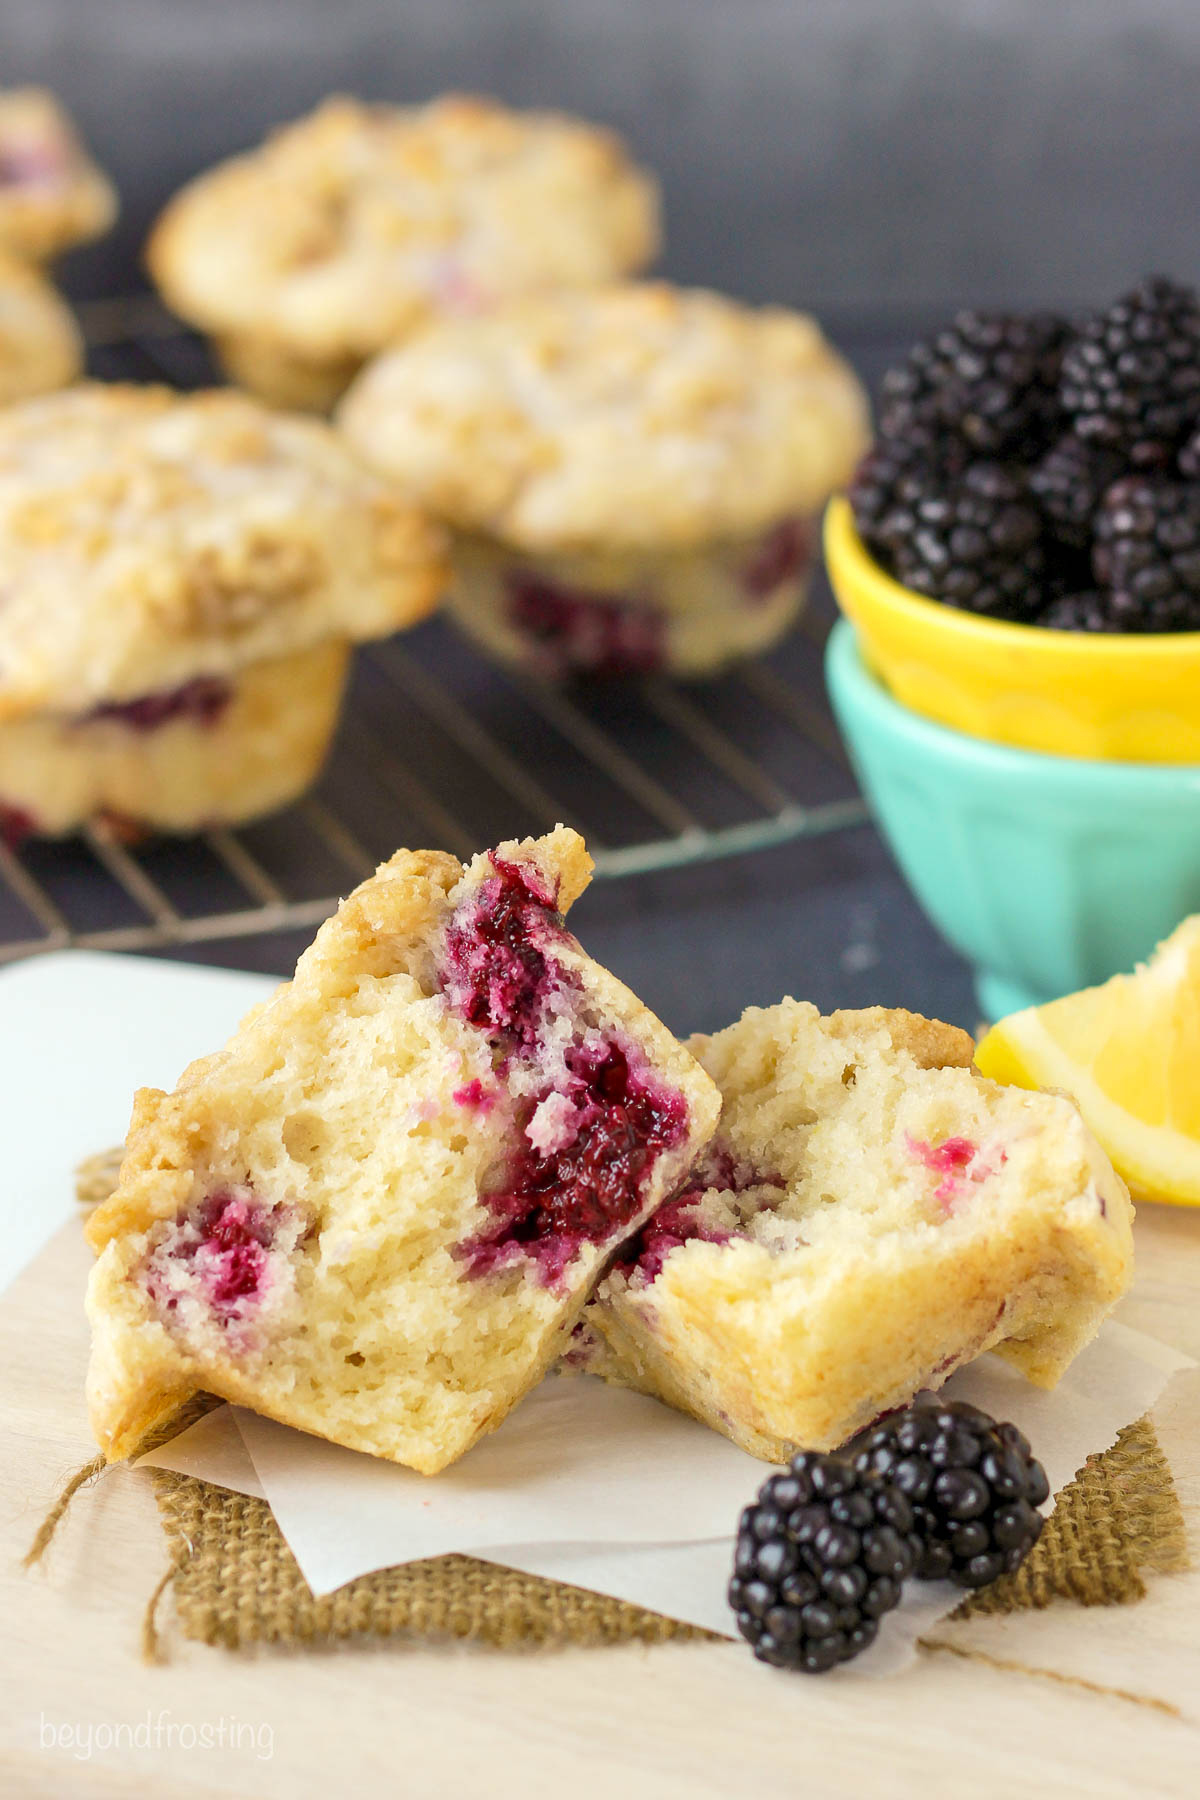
column 701, row 1212
column 596, row 1120
column 571, row 629
column 201, row 700
column 686, row 613
column 213, row 751
column 223, row 1262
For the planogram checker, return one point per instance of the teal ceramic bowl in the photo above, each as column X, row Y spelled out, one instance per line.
column 1050, row 873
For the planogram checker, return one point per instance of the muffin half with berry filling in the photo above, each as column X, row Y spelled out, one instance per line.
column 377, row 1213
column 632, row 475
column 183, row 576
column 349, row 229
column 870, row 1215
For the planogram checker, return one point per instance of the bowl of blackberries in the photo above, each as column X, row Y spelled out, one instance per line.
column 1019, row 552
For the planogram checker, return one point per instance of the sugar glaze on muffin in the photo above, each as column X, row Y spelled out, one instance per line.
column 350, row 228
column 633, row 473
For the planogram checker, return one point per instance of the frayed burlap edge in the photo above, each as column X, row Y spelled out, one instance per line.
column 1119, row 1517
column 237, row 1584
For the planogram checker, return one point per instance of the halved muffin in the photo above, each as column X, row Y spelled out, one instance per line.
column 377, row 1213
column 870, row 1215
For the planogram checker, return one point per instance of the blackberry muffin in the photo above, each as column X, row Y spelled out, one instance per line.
column 52, row 195
column 870, row 1215
column 377, row 1213
column 40, row 346
column 632, row 474
column 347, row 230
column 183, row 575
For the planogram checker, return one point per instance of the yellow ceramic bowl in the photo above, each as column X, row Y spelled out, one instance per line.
column 1110, row 698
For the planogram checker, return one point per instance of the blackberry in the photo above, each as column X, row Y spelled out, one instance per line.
column 1147, row 554
column 821, row 1556
column 1069, row 483
column 1087, row 610
column 974, row 543
column 987, row 378
column 1131, row 377
column 896, row 473
column 974, row 1487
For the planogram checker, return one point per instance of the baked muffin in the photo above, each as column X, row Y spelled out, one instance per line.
column 377, row 1212
column 40, row 346
column 182, row 575
column 871, row 1215
column 633, row 475
column 347, row 230
column 52, row 195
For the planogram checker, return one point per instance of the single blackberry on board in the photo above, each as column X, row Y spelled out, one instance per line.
column 1147, row 554
column 1069, row 482
column 976, row 543
column 974, row 1487
column 987, row 378
column 821, row 1556
column 1131, row 376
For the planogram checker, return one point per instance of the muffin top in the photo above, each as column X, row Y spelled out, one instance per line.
column 52, row 195
column 147, row 537
column 40, row 346
column 640, row 416
column 352, row 226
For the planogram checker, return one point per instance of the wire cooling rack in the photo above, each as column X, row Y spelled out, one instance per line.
column 440, row 747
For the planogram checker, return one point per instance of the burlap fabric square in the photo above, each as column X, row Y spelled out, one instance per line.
column 236, row 1583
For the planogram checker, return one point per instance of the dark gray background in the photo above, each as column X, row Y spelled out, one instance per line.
column 856, row 155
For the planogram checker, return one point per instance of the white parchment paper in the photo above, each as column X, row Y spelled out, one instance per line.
column 589, row 1484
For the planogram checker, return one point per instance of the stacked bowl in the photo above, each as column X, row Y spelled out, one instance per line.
column 1039, row 788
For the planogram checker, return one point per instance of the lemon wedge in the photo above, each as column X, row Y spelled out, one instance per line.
column 1128, row 1053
